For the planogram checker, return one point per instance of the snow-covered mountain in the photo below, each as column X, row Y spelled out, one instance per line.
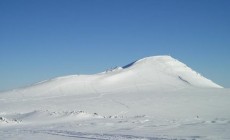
column 153, row 98
column 157, row 72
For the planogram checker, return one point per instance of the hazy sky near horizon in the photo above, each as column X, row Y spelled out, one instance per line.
column 43, row 39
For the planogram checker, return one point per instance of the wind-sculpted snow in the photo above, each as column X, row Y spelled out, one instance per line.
column 155, row 98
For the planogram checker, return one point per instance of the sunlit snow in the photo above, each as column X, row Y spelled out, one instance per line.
column 153, row 98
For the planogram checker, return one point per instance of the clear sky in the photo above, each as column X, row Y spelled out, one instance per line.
column 43, row 39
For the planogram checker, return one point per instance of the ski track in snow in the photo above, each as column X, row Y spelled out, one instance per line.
column 97, row 136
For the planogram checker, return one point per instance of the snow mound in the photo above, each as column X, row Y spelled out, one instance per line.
column 4, row 120
column 50, row 116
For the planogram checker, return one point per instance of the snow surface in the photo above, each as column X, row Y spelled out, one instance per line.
column 156, row 98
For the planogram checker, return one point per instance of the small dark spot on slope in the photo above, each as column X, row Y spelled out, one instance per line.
column 182, row 79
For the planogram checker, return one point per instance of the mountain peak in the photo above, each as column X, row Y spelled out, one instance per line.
column 152, row 59
column 164, row 67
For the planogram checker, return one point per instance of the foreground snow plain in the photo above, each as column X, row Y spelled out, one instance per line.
column 155, row 98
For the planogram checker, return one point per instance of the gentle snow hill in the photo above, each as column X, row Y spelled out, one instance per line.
column 157, row 72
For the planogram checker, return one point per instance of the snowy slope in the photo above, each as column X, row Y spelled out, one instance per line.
column 152, row 98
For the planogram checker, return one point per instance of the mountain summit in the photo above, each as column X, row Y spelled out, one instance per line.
column 167, row 70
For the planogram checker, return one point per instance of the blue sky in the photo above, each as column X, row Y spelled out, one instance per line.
column 42, row 39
